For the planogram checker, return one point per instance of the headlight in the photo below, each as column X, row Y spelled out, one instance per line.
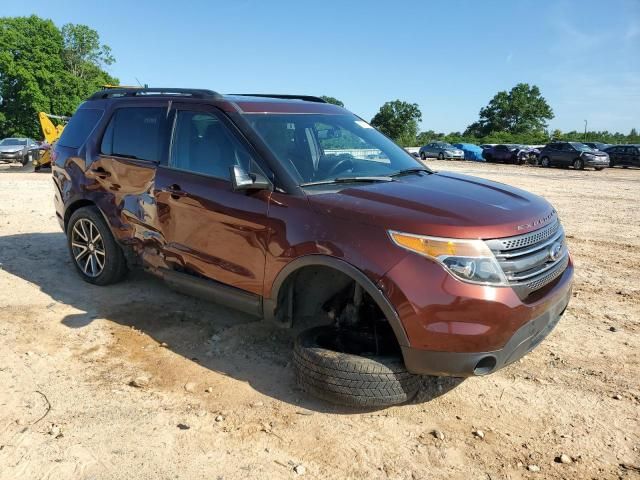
column 468, row 260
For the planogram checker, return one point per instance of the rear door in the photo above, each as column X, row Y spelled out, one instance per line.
column 211, row 230
column 133, row 143
column 630, row 155
column 567, row 154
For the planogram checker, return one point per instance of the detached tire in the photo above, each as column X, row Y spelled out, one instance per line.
column 348, row 379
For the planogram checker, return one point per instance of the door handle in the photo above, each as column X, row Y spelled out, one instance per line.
column 175, row 191
column 100, row 172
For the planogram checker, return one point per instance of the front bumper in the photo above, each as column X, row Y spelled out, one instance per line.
column 455, row 328
column 459, row 156
column 467, row 364
column 11, row 157
column 596, row 162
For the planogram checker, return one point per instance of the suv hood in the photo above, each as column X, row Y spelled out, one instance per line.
column 440, row 204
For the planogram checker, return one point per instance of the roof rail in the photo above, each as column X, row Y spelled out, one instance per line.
column 141, row 92
column 306, row 98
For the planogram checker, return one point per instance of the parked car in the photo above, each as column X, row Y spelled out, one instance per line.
column 390, row 270
column 440, row 150
column 507, row 153
column 17, row 150
column 576, row 154
column 471, row 151
column 624, row 155
column 597, row 145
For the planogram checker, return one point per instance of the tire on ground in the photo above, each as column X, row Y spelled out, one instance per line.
column 351, row 380
column 115, row 263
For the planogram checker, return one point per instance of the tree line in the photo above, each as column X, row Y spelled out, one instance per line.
column 51, row 69
column 46, row 68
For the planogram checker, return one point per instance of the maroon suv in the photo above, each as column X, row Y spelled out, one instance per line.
column 300, row 212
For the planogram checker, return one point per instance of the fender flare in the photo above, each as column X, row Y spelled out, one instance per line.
column 269, row 304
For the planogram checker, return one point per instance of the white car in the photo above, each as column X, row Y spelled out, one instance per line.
column 440, row 150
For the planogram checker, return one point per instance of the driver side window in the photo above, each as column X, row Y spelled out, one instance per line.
column 203, row 144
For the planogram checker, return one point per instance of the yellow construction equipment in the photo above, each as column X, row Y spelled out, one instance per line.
column 51, row 133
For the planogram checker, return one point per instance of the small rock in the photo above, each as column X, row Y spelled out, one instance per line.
column 190, row 387
column 29, row 353
column 219, row 418
column 479, row 434
column 519, row 464
column 438, row 434
column 617, row 397
column 564, row 458
column 164, row 345
column 613, row 329
column 140, row 382
column 208, row 389
column 300, row 469
column 533, row 468
column 55, row 431
column 183, row 426
column 215, row 338
column 257, row 404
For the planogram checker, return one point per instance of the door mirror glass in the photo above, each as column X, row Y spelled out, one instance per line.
column 242, row 180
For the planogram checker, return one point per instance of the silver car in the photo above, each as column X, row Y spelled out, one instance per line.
column 440, row 150
column 17, row 150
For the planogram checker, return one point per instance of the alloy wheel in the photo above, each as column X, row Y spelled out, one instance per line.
column 88, row 247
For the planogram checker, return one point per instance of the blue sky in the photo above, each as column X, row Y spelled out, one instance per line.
column 450, row 57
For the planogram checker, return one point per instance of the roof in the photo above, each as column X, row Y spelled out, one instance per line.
column 240, row 103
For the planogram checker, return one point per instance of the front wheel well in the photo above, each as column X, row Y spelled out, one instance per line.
column 314, row 295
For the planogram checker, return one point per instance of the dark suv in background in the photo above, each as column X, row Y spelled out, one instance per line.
column 298, row 211
column 578, row 155
column 624, row 155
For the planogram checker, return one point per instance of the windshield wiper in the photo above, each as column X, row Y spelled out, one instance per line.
column 348, row 180
column 407, row 171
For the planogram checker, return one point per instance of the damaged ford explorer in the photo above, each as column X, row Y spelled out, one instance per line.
column 299, row 212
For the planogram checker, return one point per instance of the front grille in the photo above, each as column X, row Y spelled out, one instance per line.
column 526, row 259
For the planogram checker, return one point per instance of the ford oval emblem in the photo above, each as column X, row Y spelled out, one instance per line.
column 554, row 251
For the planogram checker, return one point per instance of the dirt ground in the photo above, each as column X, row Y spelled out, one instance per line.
column 221, row 401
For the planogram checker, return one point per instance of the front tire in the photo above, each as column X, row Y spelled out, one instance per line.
column 349, row 379
column 545, row 162
column 423, row 156
column 441, row 156
column 94, row 251
column 578, row 164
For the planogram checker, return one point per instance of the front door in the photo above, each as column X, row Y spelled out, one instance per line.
column 210, row 229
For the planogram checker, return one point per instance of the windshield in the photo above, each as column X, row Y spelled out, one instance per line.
column 445, row 145
column 322, row 147
column 13, row 141
column 581, row 147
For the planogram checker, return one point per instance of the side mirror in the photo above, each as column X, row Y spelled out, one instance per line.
column 243, row 181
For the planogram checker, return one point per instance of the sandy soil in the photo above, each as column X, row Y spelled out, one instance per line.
column 221, row 401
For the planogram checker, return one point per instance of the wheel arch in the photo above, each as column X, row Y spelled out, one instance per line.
column 77, row 205
column 270, row 304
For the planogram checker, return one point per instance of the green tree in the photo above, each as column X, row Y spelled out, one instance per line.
column 522, row 110
column 399, row 120
column 82, row 50
column 332, row 100
column 35, row 73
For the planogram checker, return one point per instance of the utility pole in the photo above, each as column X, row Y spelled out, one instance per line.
column 585, row 130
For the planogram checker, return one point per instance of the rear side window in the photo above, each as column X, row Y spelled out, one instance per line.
column 79, row 127
column 135, row 133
